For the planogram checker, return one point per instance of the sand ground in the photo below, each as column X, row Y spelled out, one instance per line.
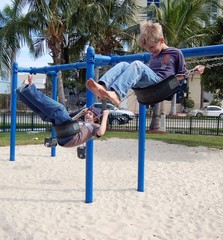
column 43, row 197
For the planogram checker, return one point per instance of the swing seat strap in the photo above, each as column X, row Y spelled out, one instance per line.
column 67, row 129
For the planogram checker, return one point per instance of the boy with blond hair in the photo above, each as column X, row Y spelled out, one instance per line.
column 165, row 61
column 149, row 33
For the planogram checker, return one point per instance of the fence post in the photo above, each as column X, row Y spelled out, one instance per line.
column 163, row 123
column 190, row 125
column 32, row 121
column 137, row 122
column 218, row 125
column 4, row 122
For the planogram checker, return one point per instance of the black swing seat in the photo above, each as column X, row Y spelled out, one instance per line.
column 159, row 92
column 64, row 130
column 67, row 129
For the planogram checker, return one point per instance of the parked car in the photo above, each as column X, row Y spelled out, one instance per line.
column 117, row 116
column 208, row 111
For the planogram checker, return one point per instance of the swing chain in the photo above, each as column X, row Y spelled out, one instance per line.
column 213, row 65
column 208, row 60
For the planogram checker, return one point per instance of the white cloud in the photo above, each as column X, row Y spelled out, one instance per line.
column 3, row 3
column 25, row 60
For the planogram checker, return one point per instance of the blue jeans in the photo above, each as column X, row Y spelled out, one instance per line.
column 48, row 109
column 124, row 76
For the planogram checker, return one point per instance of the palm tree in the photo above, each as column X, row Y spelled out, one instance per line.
column 103, row 24
column 51, row 18
column 183, row 23
column 79, row 21
column 15, row 31
column 111, row 33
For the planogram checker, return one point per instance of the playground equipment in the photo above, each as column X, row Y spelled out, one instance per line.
column 93, row 61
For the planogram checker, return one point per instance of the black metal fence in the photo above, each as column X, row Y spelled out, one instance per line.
column 184, row 125
column 25, row 121
column 28, row 121
column 195, row 125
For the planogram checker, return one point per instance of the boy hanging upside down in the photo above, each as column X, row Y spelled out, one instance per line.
column 52, row 111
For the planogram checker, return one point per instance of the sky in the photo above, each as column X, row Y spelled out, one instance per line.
column 24, row 58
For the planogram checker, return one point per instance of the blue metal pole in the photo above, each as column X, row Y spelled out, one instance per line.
column 13, row 111
column 89, row 144
column 141, row 146
column 54, row 96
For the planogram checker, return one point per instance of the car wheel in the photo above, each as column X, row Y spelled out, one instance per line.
column 221, row 115
column 115, row 121
column 199, row 115
column 125, row 118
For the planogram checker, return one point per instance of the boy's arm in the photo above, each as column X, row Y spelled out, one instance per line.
column 77, row 114
column 102, row 129
column 199, row 69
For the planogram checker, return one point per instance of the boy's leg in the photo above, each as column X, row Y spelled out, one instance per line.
column 26, row 101
column 137, row 74
column 55, row 111
column 112, row 74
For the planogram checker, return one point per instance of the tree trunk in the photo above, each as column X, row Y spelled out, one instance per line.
column 54, row 45
column 155, row 122
column 202, row 97
column 61, row 95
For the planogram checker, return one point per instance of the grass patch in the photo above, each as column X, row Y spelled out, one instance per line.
column 173, row 138
column 190, row 140
column 25, row 138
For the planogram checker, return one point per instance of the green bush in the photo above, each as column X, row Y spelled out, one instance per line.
column 187, row 103
column 215, row 102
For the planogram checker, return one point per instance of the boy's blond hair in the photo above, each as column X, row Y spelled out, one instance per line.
column 150, row 32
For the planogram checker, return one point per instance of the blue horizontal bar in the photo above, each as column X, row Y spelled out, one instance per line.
column 205, row 51
column 101, row 60
column 54, row 68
